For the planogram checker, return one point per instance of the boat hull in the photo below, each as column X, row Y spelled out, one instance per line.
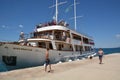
column 17, row 56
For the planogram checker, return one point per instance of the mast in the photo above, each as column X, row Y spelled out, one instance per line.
column 56, row 8
column 56, row 17
column 75, row 13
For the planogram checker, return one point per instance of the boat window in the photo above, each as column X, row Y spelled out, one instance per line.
column 85, row 40
column 76, row 37
column 58, row 35
column 78, row 48
column 87, row 48
column 50, row 46
column 91, row 42
column 42, row 44
column 62, row 35
column 45, row 45
column 44, row 35
column 64, row 46
column 33, row 44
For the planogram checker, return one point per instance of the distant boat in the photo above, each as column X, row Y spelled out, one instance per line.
column 63, row 43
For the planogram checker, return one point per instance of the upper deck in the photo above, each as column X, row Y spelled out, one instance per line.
column 60, row 26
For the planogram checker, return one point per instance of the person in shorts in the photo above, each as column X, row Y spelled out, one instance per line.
column 100, row 54
column 47, row 61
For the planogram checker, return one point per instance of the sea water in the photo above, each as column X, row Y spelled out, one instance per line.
column 109, row 50
column 2, row 67
column 106, row 51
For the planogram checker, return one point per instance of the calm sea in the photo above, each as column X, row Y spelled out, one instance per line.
column 106, row 51
column 109, row 50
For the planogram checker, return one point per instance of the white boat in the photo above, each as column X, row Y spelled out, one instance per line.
column 63, row 43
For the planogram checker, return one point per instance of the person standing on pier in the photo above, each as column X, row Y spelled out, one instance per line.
column 100, row 54
column 47, row 60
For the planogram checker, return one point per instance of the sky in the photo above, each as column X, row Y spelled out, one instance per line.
column 99, row 18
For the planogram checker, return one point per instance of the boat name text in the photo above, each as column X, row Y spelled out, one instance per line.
column 23, row 49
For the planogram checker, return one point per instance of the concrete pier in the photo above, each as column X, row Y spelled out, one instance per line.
column 88, row 69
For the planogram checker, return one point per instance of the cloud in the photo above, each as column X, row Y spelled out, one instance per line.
column 3, row 26
column 118, row 36
column 20, row 26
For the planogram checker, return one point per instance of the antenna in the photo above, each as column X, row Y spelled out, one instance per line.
column 57, row 4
